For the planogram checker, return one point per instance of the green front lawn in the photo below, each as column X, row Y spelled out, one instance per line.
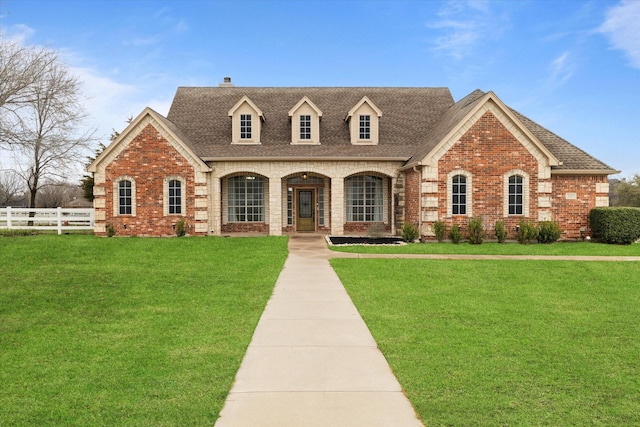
column 490, row 343
column 492, row 248
column 127, row 331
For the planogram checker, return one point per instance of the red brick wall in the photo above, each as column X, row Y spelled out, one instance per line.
column 149, row 159
column 572, row 214
column 488, row 151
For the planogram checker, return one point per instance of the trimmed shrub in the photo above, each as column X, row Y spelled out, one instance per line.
column 111, row 230
column 548, row 232
column 527, row 232
column 181, row 227
column 615, row 225
column 501, row 232
column 439, row 229
column 454, row 234
column 476, row 231
column 409, row 232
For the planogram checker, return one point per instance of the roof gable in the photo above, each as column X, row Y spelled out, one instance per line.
column 245, row 99
column 164, row 126
column 300, row 103
column 457, row 120
column 365, row 100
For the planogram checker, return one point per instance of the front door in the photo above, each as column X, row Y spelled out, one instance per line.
column 306, row 207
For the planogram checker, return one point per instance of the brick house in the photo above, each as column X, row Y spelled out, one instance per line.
column 338, row 161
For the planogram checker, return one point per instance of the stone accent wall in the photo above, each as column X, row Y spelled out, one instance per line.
column 148, row 159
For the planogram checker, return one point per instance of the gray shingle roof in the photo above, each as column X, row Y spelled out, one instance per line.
column 408, row 115
column 413, row 122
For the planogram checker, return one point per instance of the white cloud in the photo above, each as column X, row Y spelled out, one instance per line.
column 622, row 28
column 17, row 34
column 561, row 68
column 465, row 24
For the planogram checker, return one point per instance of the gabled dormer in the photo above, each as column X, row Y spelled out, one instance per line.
column 246, row 122
column 364, row 122
column 305, row 122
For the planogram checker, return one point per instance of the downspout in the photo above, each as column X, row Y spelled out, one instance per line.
column 415, row 169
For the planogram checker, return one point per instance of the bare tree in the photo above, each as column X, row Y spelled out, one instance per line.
column 44, row 134
column 55, row 194
column 11, row 188
column 20, row 68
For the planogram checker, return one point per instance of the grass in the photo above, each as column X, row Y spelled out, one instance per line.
column 127, row 331
column 489, row 343
column 490, row 248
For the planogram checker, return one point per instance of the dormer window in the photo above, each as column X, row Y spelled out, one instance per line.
column 305, row 122
column 365, row 127
column 364, row 121
column 305, row 127
column 245, row 126
column 246, row 119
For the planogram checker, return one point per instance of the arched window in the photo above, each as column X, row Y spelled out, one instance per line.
column 459, row 195
column 516, row 195
column 365, row 199
column 245, row 199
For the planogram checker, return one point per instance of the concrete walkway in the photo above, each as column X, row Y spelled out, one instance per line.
column 312, row 361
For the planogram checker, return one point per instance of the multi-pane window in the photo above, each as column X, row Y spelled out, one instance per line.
column 321, row 206
column 125, row 197
column 365, row 198
column 516, row 195
column 289, row 206
column 245, row 196
column 175, row 197
column 459, row 195
column 365, row 127
column 245, row 126
column 305, row 127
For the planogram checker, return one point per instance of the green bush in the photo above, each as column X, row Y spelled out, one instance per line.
column 454, row 234
column 615, row 225
column 527, row 232
column 476, row 231
column 111, row 230
column 439, row 229
column 181, row 227
column 501, row 232
column 409, row 232
column 548, row 232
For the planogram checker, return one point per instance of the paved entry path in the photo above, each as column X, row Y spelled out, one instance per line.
column 312, row 361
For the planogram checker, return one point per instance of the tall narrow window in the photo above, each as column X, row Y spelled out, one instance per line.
column 245, row 197
column 305, row 127
column 459, row 195
column 245, row 126
column 515, row 195
column 124, row 197
column 175, row 197
column 365, row 199
column 365, row 126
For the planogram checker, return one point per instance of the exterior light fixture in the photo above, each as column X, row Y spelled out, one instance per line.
column 304, row 175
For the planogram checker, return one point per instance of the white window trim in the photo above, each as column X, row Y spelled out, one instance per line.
column 165, row 193
column 363, row 108
column 525, row 193
column 246, row 106
column 469, row 202
column 116, row 195
column 305, row 107
column 385, row 198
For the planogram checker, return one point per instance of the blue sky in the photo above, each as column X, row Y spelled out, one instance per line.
column 572, row 66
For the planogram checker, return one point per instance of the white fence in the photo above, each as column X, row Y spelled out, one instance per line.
column 47, row 219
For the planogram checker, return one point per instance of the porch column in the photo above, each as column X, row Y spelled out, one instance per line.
column 337, row 205
column 216, row 206
column 275, row 206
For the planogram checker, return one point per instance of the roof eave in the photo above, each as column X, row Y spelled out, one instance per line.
column 584, row 172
